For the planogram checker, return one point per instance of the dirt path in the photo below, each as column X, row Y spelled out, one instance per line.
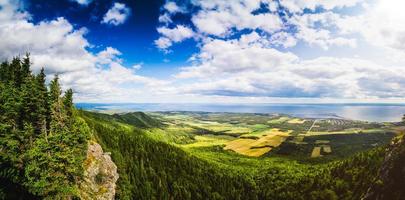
column 309, row 130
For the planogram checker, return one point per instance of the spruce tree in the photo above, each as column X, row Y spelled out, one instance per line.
column 68, row 102
column 44, row 109
column 57, row 115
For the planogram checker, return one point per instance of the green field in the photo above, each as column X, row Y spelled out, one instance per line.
column 266, row 135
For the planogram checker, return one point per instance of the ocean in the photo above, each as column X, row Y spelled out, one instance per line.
column 365, row 112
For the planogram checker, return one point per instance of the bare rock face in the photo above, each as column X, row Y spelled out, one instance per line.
column 100, row 175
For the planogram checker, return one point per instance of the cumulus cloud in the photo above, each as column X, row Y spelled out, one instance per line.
column 165, row 18
column 248, row 68
column 170, row 36
column 248, row 48
column 381, row 24
column 117, row 14
column 173, row 8
column 219, row 17
column 226, row 19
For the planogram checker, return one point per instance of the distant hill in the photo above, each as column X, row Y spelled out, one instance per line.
column 138, row 119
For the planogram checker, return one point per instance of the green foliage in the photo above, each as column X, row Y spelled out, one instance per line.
column 151, row 169
column 43, row 142
column 138, row 119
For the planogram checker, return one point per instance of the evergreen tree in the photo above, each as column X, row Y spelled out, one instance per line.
column 57, row 117
column 25, row 66
column 15, row 73
column 68, row 102
column 55, row 90
column 46, row 165
column 43, row 110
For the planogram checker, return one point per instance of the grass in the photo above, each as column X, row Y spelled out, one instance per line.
column 208, row 140
column 278, row 120
column 259, row 134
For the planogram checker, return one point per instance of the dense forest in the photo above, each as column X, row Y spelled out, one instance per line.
column 43, row 144
column 44, row 139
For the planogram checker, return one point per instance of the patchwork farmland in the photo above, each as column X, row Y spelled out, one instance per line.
column 269, row 135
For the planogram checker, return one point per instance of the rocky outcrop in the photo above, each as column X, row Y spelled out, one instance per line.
column 391, row 179
column 100, row 175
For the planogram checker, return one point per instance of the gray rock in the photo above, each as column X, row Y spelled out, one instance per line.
column 100, row 175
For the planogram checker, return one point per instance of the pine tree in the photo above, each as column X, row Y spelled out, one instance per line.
column 15, row 75
column 25, row 66
column 44, row 109
column 57, row 115
column 4, row 71
column 55, row 90
column 68, row 102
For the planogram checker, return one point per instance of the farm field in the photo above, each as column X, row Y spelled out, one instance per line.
column 270, row 135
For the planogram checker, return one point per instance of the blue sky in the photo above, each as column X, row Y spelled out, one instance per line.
column 134, row 38
column 220, row 51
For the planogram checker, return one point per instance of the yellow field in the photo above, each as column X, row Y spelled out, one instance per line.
column 316, row 152
column 243, row 146
column 327, row 149
column 255, row 148
column 296, row 121
column 259, row 134
column 206, row 141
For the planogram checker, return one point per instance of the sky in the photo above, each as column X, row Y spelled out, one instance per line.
column 213, row 51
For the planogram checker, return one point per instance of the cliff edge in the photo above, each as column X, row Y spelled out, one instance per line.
column 100, row 175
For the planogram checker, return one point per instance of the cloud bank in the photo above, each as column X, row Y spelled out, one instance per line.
column 253, row 48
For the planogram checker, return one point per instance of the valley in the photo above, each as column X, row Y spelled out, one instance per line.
column 200, row 155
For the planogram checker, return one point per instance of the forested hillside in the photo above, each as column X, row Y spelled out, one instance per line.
column 42, row 142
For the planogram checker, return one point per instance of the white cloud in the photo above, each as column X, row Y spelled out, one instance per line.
column 117, row 14
column 219, row 57
column 83, row 2
column 247, row 68
column 225, row 19
column 165, row 18
column 382, row 24
column 283, row 39
column 172, row 7
column 300, row 5
column 108, row 55
column 177, row 34
column 170, row 36
column 219, row 17
column 163, row 43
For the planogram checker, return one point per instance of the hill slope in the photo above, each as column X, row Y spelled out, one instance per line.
column 138, row 119
column 151, row 169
